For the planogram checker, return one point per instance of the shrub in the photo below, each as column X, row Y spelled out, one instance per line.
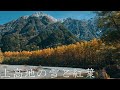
column 1, row 57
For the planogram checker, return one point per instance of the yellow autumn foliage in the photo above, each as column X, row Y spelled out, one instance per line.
column 93, row 52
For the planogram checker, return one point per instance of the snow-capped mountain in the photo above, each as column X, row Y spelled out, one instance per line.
column 36, row 31
column 41, row 15
column 40, row 30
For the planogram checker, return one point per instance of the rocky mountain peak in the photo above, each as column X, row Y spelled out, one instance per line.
column 38, row 14
column 41, row 15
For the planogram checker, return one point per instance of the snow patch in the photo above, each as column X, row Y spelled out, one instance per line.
column 41, row 14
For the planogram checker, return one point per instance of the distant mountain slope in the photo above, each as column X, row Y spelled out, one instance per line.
column 83, row 29
column 34, row 32
column 40, row 30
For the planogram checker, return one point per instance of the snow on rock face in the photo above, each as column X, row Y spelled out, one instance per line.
column 41, row 14
column 52, row 18
column 25, row 17
column 38, row 14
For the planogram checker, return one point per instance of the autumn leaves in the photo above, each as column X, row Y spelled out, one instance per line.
column 85, row 54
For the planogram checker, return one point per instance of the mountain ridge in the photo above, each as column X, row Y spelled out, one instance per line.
column 40, row 30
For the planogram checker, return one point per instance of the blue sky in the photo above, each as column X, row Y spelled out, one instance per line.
column 6, row 16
